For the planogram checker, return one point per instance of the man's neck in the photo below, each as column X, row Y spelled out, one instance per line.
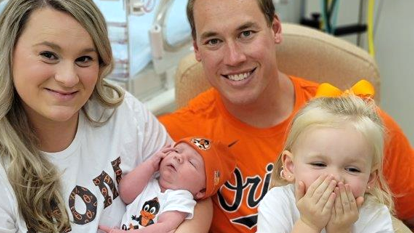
column 273, row 107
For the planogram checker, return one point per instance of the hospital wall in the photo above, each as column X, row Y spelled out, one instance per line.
column 394, row 46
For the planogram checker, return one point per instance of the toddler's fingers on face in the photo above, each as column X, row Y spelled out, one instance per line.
column 346, row 205
column 352, row 201
column 330, row 202
column 299, row 190
column 338, row 202
column 327, row 186
column 326, row 195
column 315, row 185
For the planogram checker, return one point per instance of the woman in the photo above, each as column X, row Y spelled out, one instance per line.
column 66, row 135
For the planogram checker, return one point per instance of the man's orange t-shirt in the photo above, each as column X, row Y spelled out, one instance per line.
column 235, row 205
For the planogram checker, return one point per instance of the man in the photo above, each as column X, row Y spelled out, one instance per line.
column 253, row 102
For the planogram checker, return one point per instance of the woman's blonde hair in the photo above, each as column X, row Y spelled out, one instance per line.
column 36, row 182
column 335, row 112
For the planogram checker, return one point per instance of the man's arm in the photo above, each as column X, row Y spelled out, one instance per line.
column 200, row 223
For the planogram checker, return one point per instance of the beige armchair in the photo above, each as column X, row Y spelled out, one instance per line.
column 306, row 53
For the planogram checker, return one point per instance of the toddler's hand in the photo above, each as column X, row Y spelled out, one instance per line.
column 315, row 206
column 346, row 210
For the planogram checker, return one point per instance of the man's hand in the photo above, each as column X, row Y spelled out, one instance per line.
column 315, row 206
column 346, row 210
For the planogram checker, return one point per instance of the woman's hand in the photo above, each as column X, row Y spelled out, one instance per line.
column 109, row 230
column 346, row 210
column 315, row 206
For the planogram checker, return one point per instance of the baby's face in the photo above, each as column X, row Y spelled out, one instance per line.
column 183, row 169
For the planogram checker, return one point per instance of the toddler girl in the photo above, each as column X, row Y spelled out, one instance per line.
column 329, row 176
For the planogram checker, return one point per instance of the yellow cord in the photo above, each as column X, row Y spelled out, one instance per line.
column 370, row 20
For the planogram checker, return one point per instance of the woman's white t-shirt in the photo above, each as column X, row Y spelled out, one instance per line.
column 93, row 165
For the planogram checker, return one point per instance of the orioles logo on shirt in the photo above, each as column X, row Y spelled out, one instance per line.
column 201, row 143
column 244, row 191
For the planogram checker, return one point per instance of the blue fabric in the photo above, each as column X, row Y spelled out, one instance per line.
column 2, row 5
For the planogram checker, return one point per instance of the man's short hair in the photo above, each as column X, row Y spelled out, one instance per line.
column 266, row 6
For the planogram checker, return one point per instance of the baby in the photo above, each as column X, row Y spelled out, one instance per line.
column 194, row 168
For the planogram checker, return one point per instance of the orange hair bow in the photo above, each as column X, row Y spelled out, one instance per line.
column 363, row 89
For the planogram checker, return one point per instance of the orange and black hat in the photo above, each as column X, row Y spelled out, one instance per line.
column 219, row 162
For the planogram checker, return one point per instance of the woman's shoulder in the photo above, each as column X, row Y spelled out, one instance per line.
column 130, row 107
column 132, row 102
column 8, row 203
